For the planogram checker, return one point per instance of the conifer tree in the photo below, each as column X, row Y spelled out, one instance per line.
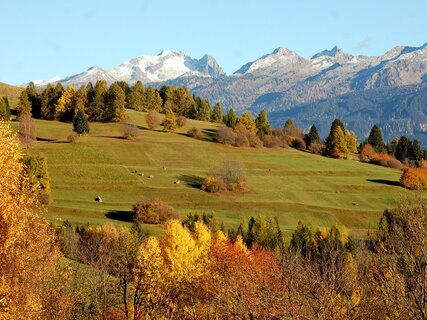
column 115, row 104
column 136, row 99
column 336, row 144
column 415, row 152
column 65, row 108
column 169, row 122
column 247, row 121
column 24, row 105
column 230, row 118
column 80, row 123
column 351, row 141
column 49, row 100
column 217, row 114
column 4, row 109
column 35, row 100
column 402, row 148
column 153, row 99
column 290, row 128
column 375, row 139
column 184, row 103
column 312, row 136
column 262, row 124
column 97, row 106
column 204, row 110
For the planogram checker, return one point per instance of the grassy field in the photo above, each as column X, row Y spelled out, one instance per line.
column 11, row 92
column 288, row 184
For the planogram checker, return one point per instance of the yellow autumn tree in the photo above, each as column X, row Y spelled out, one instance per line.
column 67, row 106
column 248, row 122
column 28, row 254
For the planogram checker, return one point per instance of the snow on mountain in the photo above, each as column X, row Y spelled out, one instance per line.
column 167, row 65
column 279, row 57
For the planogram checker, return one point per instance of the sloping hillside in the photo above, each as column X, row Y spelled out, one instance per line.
column 289, row 184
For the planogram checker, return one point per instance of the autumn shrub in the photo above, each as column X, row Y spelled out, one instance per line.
column 153, row 119
column 254, row 140
column 130, row 131
column 414, row 178
column 297, row 143
column 241, row 140
column 316, row 147
column 153, row 211
column 73, row 137
column 367, row 152
column 181, row 121
column 225, row 135
column 195, row 132
column 387, row 162
column 213, row 184
column 271, row 141
column 228, row 176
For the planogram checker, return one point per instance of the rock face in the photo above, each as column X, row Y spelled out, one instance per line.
column 283, row 82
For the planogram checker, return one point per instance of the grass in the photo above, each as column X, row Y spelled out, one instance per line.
column 11, row 92
column 291, row 185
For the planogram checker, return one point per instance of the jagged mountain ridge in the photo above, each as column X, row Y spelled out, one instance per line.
column 167, row 65
column 281, row 80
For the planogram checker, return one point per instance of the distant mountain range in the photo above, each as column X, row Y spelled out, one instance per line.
column 361, row 90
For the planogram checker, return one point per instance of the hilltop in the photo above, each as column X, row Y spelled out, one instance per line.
column 288, row 184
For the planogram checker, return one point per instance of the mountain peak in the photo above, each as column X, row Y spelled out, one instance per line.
column 328, row 53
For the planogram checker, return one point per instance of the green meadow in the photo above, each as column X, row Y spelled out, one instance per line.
column 285, row 183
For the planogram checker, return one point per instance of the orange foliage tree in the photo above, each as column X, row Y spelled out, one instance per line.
column 414, row 178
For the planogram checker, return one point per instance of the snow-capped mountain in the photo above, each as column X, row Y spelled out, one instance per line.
column 167, row 65
column 283, row 81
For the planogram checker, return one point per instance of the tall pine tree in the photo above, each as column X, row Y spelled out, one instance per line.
column 136, row 98
column 115, row 104
column 375, row 139
column 97, row 105
column 217, row 114
column 80, row 123
column 262, row 124
column 312, row 136
column 230, row 119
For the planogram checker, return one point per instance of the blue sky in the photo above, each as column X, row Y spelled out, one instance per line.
column 42, row 39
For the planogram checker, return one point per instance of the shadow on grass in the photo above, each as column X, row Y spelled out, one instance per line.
column 191, row 180
column 113, row 137
column 45, row 139
column 120, row 215
column 387, row 182
column 210, row 134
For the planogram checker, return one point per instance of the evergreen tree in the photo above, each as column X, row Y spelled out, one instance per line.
column 402, row 148
column 204, row 111
column 351, row 141
column 136, row 100
column 80, row 123
column 37, row 170
column 330, row 143
column 24, row 105
column 68, row 104
column 153, row 99
column 182, row 102
column 247, row 121
column 415, row 152
column 336, row 145
column 262, row 124
column 49, row 100
column 312, row 136
column 375, row 139
column 217, row 113
column 97, row 105
column 290, row 128
column 230, row 119
column 169, row 122
column 115, row 104
column 35, row 100
column 4, row 109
